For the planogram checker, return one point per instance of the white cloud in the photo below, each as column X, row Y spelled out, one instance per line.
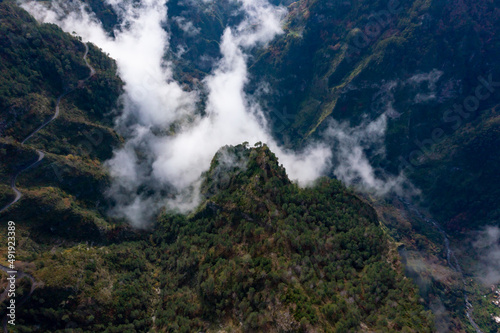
column 351, row 163
column 430, row 79
column 186, row 26
column 153, row 99
column 487, row 244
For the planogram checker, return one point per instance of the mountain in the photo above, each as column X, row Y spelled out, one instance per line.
column 259, row 254
column 418, row 63
column 429, row 66
column 41, row 68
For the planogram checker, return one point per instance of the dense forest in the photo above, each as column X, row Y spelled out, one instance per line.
column 421, row 63
column 259, row 254
column 39, row 62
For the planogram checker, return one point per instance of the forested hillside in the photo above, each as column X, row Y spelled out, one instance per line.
column 39, row 62
column 430, row 66
column 259, row 254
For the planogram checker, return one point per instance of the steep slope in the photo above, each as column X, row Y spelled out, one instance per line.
column 41, row 68
column 429, row 68
column 420, row 63
column 412, row 61
column 260, row 254
column 317, row 76
column 356, row 60
column 263, row 255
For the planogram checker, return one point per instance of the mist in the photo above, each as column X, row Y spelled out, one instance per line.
column 150, row 163
column 352, row 148
column 170, row 142
column 487, row 244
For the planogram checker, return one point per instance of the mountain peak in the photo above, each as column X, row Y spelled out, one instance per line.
column 243, row 166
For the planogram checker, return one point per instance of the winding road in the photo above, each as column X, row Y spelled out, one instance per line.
column 40, row 153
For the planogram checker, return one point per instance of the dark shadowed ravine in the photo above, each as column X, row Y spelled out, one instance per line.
column 41, row 154
column 452, row 260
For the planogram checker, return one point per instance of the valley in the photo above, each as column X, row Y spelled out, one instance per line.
column 251, row 166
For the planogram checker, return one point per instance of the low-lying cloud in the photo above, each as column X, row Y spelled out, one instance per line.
column 168, row 143
column 351, row 161
column 487, row 244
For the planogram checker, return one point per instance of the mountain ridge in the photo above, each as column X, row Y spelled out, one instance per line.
column 260, row 253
